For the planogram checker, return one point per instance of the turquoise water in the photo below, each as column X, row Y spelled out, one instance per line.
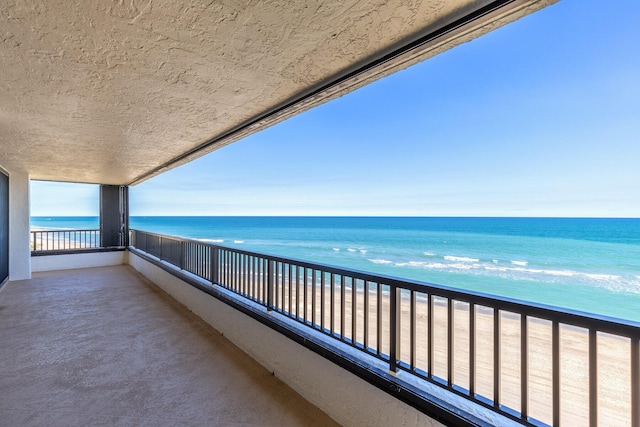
column 591, row 265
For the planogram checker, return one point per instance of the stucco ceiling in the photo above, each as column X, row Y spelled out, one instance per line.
column 118, row 91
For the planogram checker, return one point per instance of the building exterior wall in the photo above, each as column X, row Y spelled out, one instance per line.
column 71, row 261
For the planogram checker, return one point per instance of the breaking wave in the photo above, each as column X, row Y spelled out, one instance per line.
column 381, row 261
column 520, row 270
column 460, row 258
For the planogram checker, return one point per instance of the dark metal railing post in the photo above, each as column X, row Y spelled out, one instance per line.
column 394, row 328
column 215, row 265
column 271, row 271
column 430, row 335
column 555, row 350
column 472, row 350
column 524, row 368
column 635, row 382
column 412, row 331
column 496, row 358
column 182, row 244
column 593, row 378
column 450, row 340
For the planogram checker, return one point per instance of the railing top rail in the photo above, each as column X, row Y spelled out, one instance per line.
column 64, row 230
column 628, row 328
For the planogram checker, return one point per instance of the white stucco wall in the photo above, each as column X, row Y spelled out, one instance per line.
column 345, row 397
column 70, row 261
column 19, row 251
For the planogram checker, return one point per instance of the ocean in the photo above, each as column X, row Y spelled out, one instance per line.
column 589, row 265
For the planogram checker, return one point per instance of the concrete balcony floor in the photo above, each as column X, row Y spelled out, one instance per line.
column 104, row 346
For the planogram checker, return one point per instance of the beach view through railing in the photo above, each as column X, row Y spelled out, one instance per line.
column 529, row 362
column 64, row 240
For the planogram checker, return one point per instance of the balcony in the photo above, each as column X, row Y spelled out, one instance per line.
column 104, row 346
column 458, row 357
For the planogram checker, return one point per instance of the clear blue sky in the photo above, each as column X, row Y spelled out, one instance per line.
column 538, row 118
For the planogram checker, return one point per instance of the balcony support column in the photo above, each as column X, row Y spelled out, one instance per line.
column 114, row 216
column 19, row 227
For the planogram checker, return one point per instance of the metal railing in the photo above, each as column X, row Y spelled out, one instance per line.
column 64, row 240
column 534, row 364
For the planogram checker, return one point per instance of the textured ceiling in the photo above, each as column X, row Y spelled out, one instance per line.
column 116, row 91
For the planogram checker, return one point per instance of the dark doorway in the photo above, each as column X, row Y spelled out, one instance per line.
column 4, row 227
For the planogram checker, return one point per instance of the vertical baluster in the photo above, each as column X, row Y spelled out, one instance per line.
column 342, row 306
column 270, row 284
column 254, row 277
column 232, row 270
column 284, row 277
column 305, row 283
column 496, row 358
column 412, row 330
column 224, row 268
column 248, row 275
column 556, row 372
column 290, row 307
column 430, row 334
column 215, row 265
column 244, row 261
column 238, row 269
column 236, row 281
column 354, row 310
column 593, row 377
column 239, row 283
column 240, row 272
column 182, row 246
column 322, row 298
column 635, row 382
column 450, row 341
column 524, row 368
column 394, row 328
column 265, row 280
column 472, row 350
column 227, row 267
column 332, row 306
column 313, row 297
column 379, row 319
column 366, row 315
column 280, row 271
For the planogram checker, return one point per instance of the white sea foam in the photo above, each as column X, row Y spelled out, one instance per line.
column 460, row 258
column 363, row 251
column 380, row 261
column 522, row 263
column 211, row 240
column 495, row 261
column 336, row 249
column 521, row 272
column 238, row 241
column 429, row 254
column 352, row 250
